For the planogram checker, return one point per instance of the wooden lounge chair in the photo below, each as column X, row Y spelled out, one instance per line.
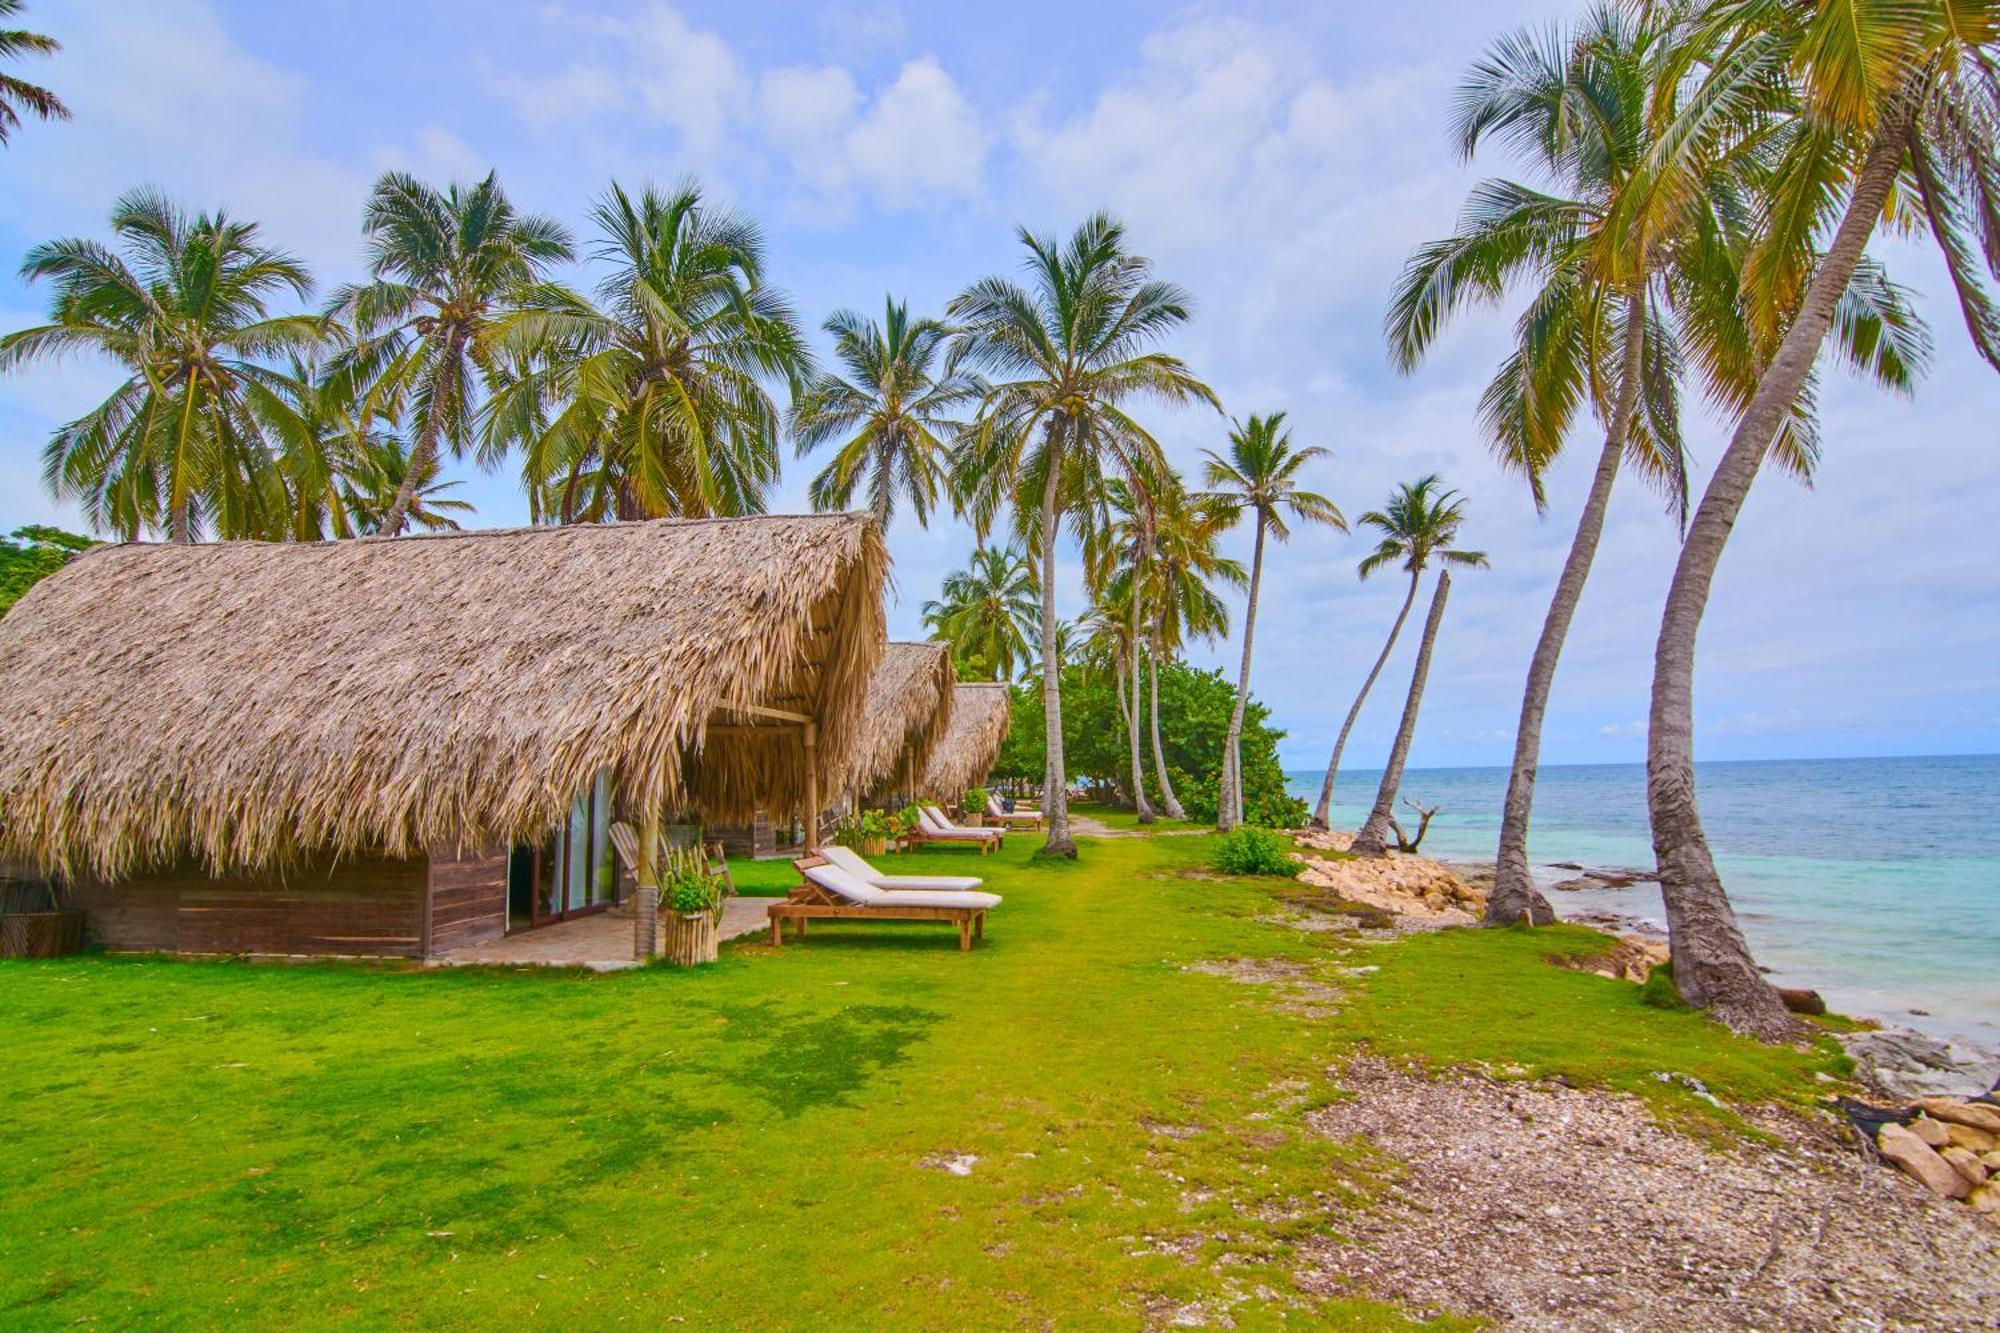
column 830, row 893
column 858, row 866
column 932, row 826
column 1014, row 818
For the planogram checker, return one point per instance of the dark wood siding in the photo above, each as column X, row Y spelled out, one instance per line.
column 468, row 898
column 371, row 906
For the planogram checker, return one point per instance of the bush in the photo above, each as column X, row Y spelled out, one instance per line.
column 685, row 884
column 1659, row 990
column 975, row 801
column 863, row 826
column 1255, row 851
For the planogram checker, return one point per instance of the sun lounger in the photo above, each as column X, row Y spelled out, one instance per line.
column 934, row 827
column 1012, row 819
column 830, row 893
column 856, row 865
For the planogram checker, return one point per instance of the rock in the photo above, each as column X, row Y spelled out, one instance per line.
column 1986, row 1199
column 1962, row 1113
column 1802, row 1001
column 1909, row 1065
column 1915, row 1157
column 1932, row 1132
column 1974, row 1141
column 1967, row 1164
column 1579, row 882
column 1992, row 1161
column 1564, row 865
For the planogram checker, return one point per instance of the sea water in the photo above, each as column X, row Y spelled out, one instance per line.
column 1874, row 881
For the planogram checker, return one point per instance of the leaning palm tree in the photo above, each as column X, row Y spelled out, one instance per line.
column 987, row 613
column 1414, row 530
column 443, row 266
column 657, row 390
column 1069, row 349
column 183, row 306
column 18, row 93
column 1119, row 549
column 1418, row 526
column 895, row 408
column 377, row 475
column 1185, row 569
column 1894, row 102
column 1261, row 475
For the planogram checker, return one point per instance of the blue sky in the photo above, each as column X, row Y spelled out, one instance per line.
column 1278, row 160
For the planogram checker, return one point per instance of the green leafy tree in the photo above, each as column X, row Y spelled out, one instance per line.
column 987, row 612
column 1070, row 353
column 652, row 400
column 896, row 409
column 444, row 267
column 17, row 93
column 31, row 555
column 183, row 306
column 1260, row 474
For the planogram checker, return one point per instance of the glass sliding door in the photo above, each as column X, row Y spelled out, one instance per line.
column 575, row 871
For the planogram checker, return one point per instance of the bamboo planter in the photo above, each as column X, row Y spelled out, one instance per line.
column 40, row 934
column 875, row 846
column 688, row 938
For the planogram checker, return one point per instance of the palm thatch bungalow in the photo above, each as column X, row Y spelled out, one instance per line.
column 398, row 746
column 907, row 711
column 980, row 715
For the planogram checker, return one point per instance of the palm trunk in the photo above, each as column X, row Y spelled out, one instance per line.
column 1372, row 840
column 1055, row 796
column 1712, row 964
column 423, row 451
column 179, row 529
column 1229, row 804
column 1140, row 805
column 1514, row 897
column 1323, row 812
column 1169, row 802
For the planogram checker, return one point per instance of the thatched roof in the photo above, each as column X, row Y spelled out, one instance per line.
column 247, row 700
column 908, row 708
column 979, row 718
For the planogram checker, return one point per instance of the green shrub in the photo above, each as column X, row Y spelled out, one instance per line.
column 907, row 818
column 975, row 801
column 863, row 826
column 685, row 884
column 1659, row 990
column 1255, row 851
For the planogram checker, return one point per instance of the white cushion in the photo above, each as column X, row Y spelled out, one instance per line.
column 858, row 866
column 837, row 881
column 851, row 861
column 954, row 898
column 936, row 824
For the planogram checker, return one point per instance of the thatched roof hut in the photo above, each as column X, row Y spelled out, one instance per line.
column 979, row 720
column 245, row 701
column 908, row 708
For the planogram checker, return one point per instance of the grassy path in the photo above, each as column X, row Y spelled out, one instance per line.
column 760, row 1144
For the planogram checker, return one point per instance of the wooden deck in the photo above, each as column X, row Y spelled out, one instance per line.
column 602, row 943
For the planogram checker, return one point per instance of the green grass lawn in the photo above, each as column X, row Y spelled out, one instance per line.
column 193, row 1143
column 1112, row 816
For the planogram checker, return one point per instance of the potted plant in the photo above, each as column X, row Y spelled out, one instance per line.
column 690, row 908
column 975, row 807
column 866, row 831
column 904, row 822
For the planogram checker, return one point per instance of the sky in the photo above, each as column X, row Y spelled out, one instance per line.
column 1279, row 161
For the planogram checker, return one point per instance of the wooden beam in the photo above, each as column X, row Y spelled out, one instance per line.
column 775, row 714
column 810, row 736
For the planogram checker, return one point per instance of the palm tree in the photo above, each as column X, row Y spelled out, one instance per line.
column 183, row 305
column 1888, row 96
column 652, row 400
column 1111, row 640
column 1118, row 554
column 1413, row 530
column 1636, row 273
column 16, row 93
column 443, row 266
column 1070, row 348
column 898, row 404
column 1185, row 567
column 986, row 612
column 1260, row 474
column 1417, row 527
column 378, row 475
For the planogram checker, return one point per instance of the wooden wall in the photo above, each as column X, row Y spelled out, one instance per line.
column 468, row 898
column 371, row 906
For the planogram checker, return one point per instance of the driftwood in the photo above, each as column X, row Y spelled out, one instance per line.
column 1404, row 842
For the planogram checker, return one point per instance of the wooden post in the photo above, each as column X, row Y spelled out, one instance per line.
column 646, row 919
column 810, row 734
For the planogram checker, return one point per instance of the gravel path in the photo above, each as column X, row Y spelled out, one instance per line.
column 1545, row 1207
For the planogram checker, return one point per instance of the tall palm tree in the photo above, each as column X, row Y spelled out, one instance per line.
column 1418, row 527
column 443, row 267
column 1261, row 475
column 183, row 305
column 17, row 93
column 1888, row 96
column 1185, row 568
column 1069, row 349
column 895, row 407
column 987, row 612
column 378, row 474
column 651, row 401
column 1636, row 274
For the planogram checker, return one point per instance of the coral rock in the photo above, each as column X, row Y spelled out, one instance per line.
column 1915, row 1157
column 1962, row 1113
column 1966, row 1164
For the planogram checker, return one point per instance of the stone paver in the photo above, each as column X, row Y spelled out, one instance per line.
column 602, row 943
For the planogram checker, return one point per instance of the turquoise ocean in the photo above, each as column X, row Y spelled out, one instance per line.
column 1874, row 881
